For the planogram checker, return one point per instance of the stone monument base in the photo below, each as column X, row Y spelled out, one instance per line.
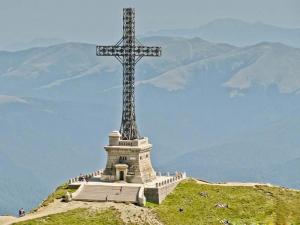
column 128, row 160
column 94, row 189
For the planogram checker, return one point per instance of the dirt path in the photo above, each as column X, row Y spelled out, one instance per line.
column 6, row 219
column 237, row 184
column 241, row 184
column 129, row 212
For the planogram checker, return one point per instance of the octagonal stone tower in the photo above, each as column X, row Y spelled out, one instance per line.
column 128, row 160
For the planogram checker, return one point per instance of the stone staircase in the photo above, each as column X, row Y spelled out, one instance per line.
column 101, row 193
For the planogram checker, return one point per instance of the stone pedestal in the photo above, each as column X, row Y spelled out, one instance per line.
column 128, row 159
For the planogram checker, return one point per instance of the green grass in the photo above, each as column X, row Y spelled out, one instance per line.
column 58, row 194
column 79, row 217
column 261, row 205
column 246, row 205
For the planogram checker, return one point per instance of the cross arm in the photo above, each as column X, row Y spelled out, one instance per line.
column 114, row 50
column 147, row 51
column 109, row 50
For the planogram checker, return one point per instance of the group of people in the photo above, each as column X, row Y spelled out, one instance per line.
column 81, row 177
column 21, row 212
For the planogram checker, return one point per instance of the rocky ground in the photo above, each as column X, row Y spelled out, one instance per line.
column 129, row 213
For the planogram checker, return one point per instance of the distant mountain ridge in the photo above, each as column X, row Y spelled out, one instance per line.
column 236, row 32
column 264, row 64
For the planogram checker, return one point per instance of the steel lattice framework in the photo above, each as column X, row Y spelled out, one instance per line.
column 128, row 51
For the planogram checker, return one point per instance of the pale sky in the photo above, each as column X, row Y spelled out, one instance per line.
column 101, row 20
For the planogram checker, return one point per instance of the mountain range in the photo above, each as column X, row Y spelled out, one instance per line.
column 236, row 32
column 217, row 111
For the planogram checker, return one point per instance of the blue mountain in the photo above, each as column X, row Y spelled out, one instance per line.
column 218, row 111
column 236, row 32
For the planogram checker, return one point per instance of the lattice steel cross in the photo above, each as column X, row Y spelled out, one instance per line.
column 128, row 51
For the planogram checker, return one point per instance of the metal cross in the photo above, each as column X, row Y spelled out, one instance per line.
column 128, row 51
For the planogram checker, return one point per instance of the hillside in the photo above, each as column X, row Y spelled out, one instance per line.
column 201, row 203
column 203, row 102
column 249, row 154
column 245, row 205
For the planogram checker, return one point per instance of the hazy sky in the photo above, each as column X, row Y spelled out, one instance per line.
column 101, row 20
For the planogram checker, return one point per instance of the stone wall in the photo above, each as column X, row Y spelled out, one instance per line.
column 157, row 195
column 76, row 181
column 163, row 189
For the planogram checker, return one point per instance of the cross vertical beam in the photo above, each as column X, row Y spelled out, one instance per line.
column 128, row 51
column 128, row 127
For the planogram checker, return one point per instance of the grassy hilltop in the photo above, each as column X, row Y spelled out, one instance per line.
column 246, row 205
column 200, row 204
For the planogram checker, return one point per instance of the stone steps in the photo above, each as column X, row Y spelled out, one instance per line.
column 109, row 193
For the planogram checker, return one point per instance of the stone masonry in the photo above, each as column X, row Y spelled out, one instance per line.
column 128, row 160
